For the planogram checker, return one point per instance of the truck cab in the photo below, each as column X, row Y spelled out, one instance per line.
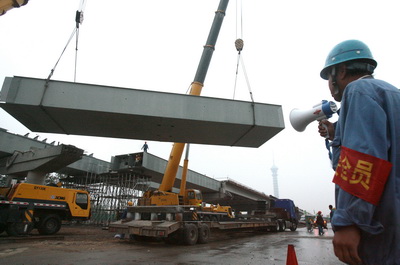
column 287, row 214
column 26, row 206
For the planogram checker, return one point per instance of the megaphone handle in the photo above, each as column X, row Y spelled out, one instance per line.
column 326, row 128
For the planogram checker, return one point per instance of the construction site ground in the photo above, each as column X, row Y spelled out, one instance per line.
column 83, row 244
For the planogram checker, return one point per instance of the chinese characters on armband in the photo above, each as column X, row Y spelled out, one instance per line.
column 362, row 175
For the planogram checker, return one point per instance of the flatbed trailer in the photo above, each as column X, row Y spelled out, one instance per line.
column 165, row 228
column 187, row 224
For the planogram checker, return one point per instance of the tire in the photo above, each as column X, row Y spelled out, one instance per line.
column 17, row 229
column 204, row 234
column 49, row 225
column 282, row 225
column 190, row 234
column 174, row 238
column 275, row 228
column 293, row 227
column 12, row 229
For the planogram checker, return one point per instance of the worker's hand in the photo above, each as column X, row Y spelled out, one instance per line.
column 325, row 127
column 345, row 245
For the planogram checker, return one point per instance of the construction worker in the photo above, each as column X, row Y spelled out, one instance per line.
column 145, row 147
column 320, row 223
column 366, row 158
column 123, row 216
column 332, row 211
column 125, row 213
column 309, row 224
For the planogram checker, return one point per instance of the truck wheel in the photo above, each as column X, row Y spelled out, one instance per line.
column 16, row 229
column 190, row 234
column 12, row 229
column 50, row 224
column 204, row 234
column 282, row 225
column 293, row 227
column 276, row 227
column 174, row 238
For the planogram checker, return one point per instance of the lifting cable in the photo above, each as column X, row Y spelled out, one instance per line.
column 78, row 20
column 239, row 47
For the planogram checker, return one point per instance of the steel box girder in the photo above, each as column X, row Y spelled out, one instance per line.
column 94, row 110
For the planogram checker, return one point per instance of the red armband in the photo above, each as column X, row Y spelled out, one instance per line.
column 362, row 175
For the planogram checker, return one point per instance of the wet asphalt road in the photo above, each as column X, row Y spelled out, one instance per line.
column 227, row 248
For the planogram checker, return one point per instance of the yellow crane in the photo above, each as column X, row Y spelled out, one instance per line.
column 164, row 195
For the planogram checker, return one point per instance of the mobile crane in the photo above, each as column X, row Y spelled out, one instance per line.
column 184, row 217
column 188, row 204
column 164, row 195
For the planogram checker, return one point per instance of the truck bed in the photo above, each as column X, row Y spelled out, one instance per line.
column 164, row 228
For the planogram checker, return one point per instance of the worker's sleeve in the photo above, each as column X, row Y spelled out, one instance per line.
column 363, row 129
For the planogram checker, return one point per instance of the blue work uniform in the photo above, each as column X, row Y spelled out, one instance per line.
column 369, row 122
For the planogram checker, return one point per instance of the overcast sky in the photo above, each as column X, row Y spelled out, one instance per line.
column 157, row 44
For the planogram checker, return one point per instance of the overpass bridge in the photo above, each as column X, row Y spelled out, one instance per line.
column 225, row 192
column 10, row 143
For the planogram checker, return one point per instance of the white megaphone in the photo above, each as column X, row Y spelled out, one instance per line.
column 301, row 118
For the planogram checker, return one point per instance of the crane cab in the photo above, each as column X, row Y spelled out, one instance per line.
column 193, row 197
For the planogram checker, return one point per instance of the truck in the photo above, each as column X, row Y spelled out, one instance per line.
column 287, row 214
column 189, row 224
column 26, row 206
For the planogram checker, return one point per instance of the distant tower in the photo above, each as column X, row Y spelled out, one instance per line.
column 274, row 170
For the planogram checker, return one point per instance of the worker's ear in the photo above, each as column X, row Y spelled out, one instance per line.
column 341, row 72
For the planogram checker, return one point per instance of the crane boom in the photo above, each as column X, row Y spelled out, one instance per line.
column 196, row 87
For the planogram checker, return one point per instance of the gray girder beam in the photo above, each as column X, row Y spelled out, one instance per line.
column 45, row 160
column 13, row 142
column 94, row 110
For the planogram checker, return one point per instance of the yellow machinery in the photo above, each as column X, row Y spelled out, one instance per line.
column 6, row 5
column 27, row 206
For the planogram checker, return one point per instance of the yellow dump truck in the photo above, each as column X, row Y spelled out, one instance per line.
column 24, row 207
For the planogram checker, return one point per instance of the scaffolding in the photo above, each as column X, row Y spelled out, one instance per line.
column 109, row 192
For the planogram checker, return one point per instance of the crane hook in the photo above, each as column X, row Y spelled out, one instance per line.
column 239, row 45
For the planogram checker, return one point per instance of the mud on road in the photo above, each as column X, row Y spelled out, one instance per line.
column 81, row 244
column 72, row 237
column 84, row 244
